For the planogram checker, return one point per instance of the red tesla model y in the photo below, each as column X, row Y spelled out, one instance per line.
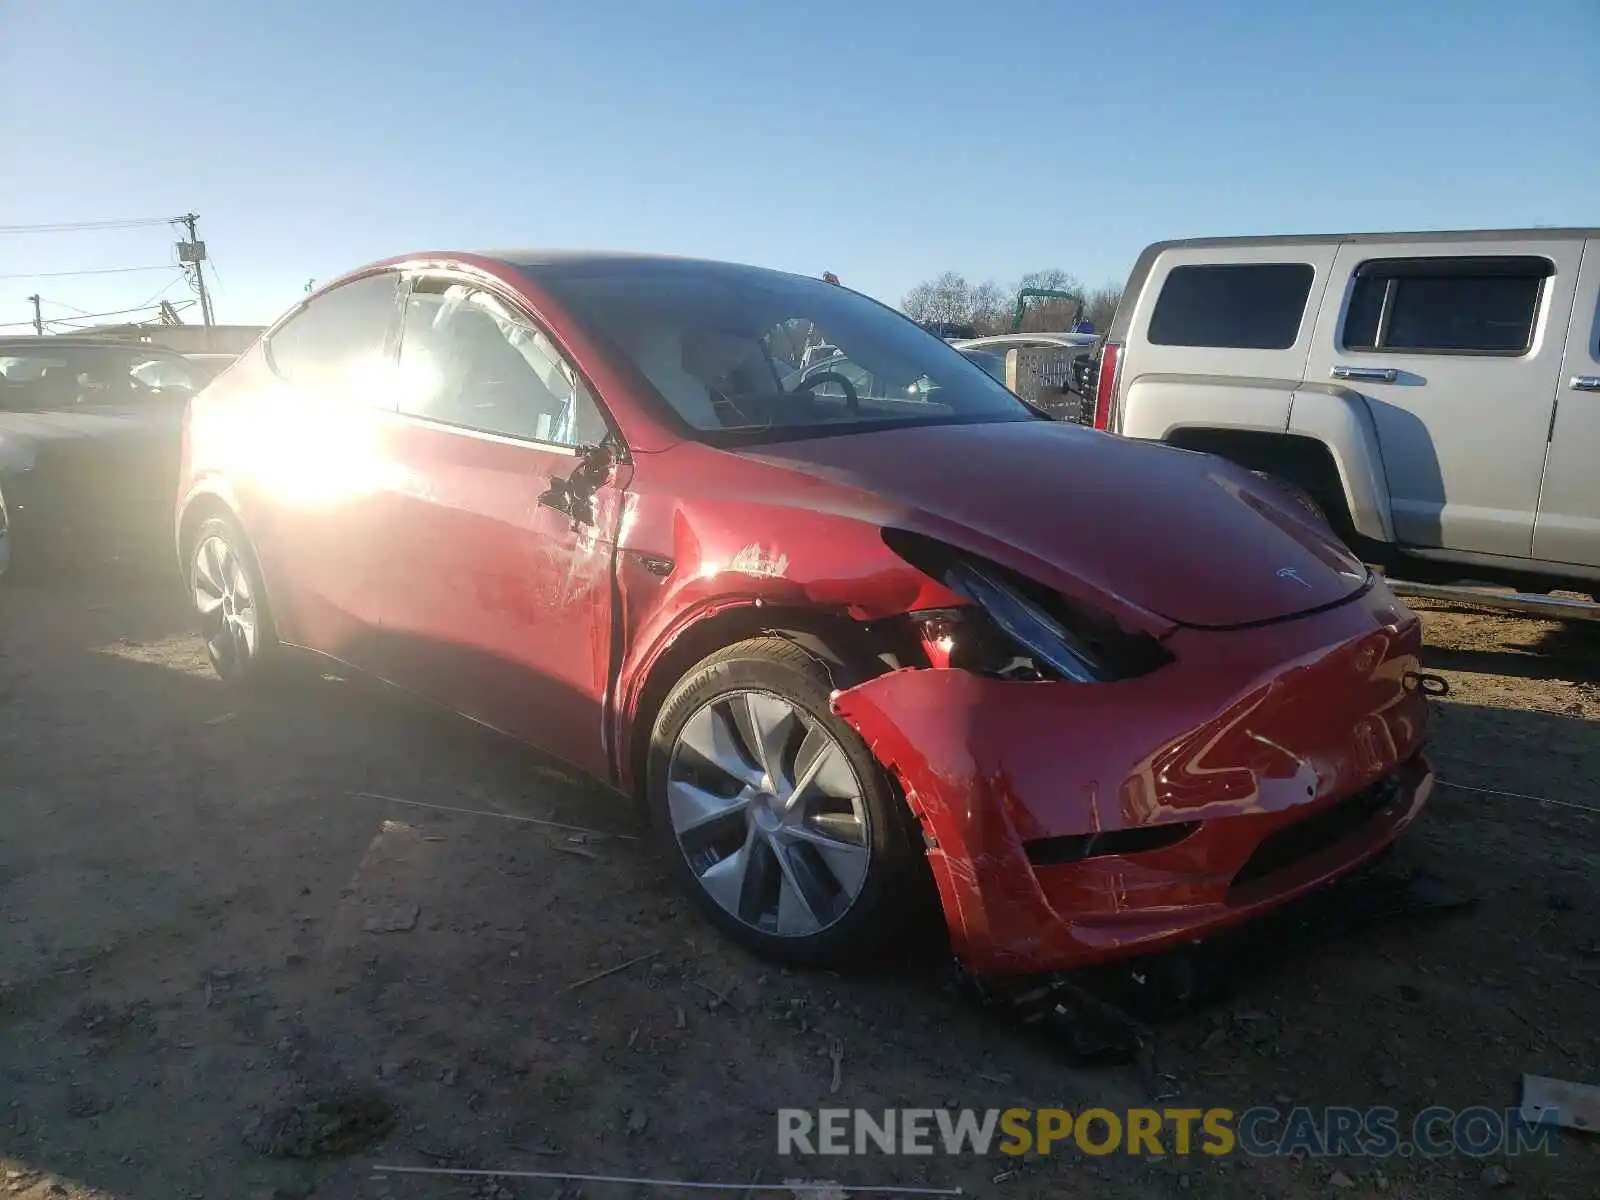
column 843, row 611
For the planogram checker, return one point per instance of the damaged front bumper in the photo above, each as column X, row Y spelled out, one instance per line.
column 1071, row 823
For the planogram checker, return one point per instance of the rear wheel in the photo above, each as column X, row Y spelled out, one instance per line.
column 774, row 814
column 230, row 602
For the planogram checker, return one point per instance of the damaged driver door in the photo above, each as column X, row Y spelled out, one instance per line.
column 503, row 520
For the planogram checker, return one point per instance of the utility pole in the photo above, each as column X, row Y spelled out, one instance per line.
column 192, row 254
column 38, row 318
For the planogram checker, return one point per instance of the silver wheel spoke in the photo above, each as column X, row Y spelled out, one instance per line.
column 725, row 880
column 762, row 880
column 698, row 814
column 710, row 735
column 247, row 631
column 206, row 577
column 762, row 721
column 795, row 917
column 846, row 861
column 806, row 890
column 223, row 602
column 813, row 754
column 768, row 813
column 212, row 560
column 238, row 583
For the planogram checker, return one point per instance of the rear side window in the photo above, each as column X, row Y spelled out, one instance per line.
column 338, row 343
column 1245, row 306
column 1446, row 305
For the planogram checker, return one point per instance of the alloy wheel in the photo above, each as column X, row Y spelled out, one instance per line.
column 769, row 813
column 229, row 620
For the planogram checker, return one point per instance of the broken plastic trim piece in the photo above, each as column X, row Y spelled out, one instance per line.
column 1427, row 684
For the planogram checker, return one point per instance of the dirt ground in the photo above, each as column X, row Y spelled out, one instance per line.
column 204, row 922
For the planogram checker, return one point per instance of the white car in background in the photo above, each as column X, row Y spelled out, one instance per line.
column 1068, row 373
column 999, row 343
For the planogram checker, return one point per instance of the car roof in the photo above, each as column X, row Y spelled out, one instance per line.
column 1419, row 235
column 533, row 258
column 1137, row 278
column 19, row 344
column 535, row 262
column 1037, row 339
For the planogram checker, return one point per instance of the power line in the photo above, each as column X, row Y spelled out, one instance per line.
column 100, row 271
column 80, row 322
column 166, row 287
column 76, row 226
column 70, row 307
column 71, row 322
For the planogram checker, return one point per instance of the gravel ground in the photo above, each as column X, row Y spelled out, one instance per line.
column 226, row 973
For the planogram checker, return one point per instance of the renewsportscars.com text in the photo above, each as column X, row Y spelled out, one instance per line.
column 1262, row 1131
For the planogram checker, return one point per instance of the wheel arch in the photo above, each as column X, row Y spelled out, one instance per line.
column 847, row 648
column 198, row 509
column 201, row 505
column 1306, row 461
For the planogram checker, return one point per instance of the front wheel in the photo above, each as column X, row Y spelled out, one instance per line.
column 774, row 814
column 230, row 602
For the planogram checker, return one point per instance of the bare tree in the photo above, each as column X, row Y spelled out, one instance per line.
column 1100, row 305
column 946, row 298
column 1050, row 314
column 989, row 308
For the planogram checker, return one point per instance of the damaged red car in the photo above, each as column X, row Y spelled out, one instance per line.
column 850, row 633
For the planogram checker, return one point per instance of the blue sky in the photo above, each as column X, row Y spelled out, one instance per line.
column 883, row 141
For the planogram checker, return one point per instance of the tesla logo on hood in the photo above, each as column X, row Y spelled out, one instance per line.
column 1291, row 573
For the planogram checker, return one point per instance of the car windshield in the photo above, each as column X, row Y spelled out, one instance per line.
column 48, row 377
column 993, row 364
column 749, row 354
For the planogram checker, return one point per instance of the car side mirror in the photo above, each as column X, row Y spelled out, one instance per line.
column 574, row 496
column 560, row 497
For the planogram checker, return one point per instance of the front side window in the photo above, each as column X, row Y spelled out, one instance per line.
column 1446, row 305
column 750, row 355
column 337, row 345
column 467, row 360
column 165, row 374
column 1241, row 306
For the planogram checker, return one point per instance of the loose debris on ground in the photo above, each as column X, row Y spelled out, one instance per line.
column 255, row 956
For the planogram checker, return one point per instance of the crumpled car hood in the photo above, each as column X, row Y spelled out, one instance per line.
column 1187, row 537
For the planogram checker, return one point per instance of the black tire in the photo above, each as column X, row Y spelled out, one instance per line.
column 236, row 658
column 894, row 882
column 1298, row 494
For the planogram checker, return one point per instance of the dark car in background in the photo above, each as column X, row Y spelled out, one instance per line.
column 89, row 446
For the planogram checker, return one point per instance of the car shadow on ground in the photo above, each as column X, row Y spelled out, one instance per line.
column 1568, row 651
column 203, row 918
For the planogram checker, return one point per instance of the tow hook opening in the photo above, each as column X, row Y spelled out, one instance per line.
column 1427, row 684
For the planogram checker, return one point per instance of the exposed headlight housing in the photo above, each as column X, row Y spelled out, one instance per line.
column 1016, row 628
column 1025, row 623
